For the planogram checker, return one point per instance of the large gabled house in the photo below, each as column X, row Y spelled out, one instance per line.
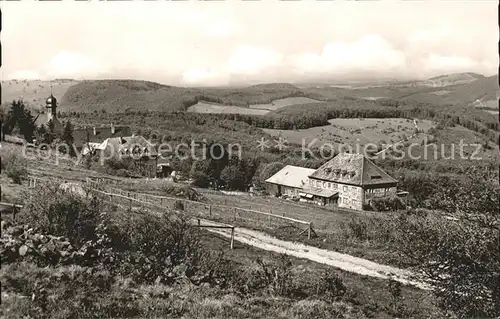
column 348, row 180
column 89, row 137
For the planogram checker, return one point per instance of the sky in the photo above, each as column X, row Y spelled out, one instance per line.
column 217, row 43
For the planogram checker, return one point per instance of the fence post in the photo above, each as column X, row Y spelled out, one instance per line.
column 13, row 211
column 210, row 211
column 161, row 201
column 232, row 237
column 309, row 231
column 234, row 213
column 199, row 223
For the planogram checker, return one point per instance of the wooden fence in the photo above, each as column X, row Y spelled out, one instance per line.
column 213, row 211
column 125, row 201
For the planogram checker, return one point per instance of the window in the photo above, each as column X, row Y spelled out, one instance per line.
column 318, row 184
column 324, row 184
column 340, row 200
column 345, row 189
column 329, row 185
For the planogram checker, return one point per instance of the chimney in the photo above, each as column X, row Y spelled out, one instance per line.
column 112, row 129
column 95, row 133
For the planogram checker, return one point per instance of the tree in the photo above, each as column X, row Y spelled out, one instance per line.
column 67, row 137
column 233, row 177
column 20, row 117
column 461, row 257
column 268, row 171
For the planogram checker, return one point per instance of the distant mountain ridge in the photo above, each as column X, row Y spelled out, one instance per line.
column 120, row 95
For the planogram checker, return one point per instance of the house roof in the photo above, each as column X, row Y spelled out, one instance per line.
column 125, row 145
column 43, row 119
column 102, row 133
column 322, row 192
column 291, row 176
column 354, row 169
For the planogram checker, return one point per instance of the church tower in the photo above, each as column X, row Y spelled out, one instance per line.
column 51, row 103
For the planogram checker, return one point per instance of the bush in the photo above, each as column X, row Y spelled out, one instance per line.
column 182, row 191
column 15, row 166
column 53, row 211
column 233, row 178
column 387, row 204
column 178, row 205
column 330, row 286
column 200, row 179
column 274, row 277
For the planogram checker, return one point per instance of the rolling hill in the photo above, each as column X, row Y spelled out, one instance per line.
column 469, row 89
column 121, row 95
column 484, row 90
column 34, row 92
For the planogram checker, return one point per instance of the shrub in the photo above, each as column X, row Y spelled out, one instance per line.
column 330, row 286
column 387, row 204
column 182, row 191
column 233, row 177
column 200, row 179
column 165, row 250
column 53, row 211
column 15, row 166
column 274, row 277
column 178, row 205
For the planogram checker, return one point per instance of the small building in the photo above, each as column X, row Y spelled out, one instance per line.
column 289, row 181
column 348, row 180
column 135, row 147
column 356, row 178
column 89, row 137
column 292, row 181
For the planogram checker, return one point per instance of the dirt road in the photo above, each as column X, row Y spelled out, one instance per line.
column 327, row 257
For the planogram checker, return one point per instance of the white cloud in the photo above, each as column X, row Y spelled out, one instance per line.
column 439, row 63
column 71, row 64
column 222, row 28
column 249, row 60
column 207, row 43
column 203, row 77
column 24, row 75
column 370, row 53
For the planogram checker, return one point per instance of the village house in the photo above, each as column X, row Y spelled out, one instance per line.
column 88, row 138
column 135, row 146
column 348, row 180
column 293, row 182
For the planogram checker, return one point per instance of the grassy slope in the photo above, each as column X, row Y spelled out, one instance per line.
column 485, row 89
column 120, row 95
column 368, row 295
column 34, row 92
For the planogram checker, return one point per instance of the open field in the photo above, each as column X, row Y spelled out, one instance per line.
column 356, row 130
column 276, row 104
column 204, row 107
column 255, row 109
